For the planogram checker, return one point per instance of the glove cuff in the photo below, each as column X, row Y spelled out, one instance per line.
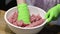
column 20, row 6
column 58, row 5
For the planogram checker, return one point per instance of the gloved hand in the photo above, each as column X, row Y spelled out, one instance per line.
column 23, row 13
column 53, row 13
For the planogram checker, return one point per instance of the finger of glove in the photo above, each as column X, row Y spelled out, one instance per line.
column 47, row 15
column 50, row 18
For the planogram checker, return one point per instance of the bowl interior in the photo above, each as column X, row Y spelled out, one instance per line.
column 32, row 9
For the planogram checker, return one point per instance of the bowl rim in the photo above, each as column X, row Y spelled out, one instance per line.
column 23, row 27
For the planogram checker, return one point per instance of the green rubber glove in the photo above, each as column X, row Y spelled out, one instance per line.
column 53, row 13
column 23, row 13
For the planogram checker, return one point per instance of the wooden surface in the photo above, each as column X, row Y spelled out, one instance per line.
column 49, row 29
column 4, row 29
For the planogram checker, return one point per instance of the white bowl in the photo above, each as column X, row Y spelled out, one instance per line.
column 20, row 30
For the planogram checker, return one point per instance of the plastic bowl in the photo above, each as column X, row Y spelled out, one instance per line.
column 20, row 30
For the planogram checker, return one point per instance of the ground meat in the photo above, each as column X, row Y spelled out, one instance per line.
column 34, row 19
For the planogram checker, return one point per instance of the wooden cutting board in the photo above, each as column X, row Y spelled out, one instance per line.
column 4, row 29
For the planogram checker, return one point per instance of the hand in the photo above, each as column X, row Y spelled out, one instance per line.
column 53, row 13
column 23, row 13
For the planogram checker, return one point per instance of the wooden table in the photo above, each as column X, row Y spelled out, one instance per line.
column 4, row 29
